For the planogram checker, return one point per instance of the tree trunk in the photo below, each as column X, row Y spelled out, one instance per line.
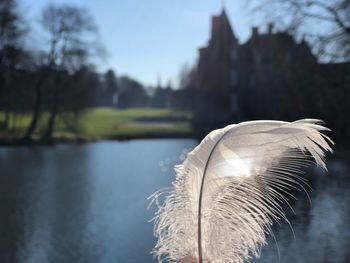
column 7, row 106
column 37, row 108
column 7, row 118
column 14, row 120
column 54, row 109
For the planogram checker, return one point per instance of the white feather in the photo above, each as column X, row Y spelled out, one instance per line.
column 245, row 171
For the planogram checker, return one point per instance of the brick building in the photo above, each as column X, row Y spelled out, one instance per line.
column 216, row 81
column 269, row 76
column 218, row 60
column 276, row 76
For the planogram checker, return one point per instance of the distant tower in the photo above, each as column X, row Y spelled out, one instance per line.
column 159, row 81
column 223, row 6
column 218, row 59
column 217, row 64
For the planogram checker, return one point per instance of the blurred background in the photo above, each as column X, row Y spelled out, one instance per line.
column 100, row 99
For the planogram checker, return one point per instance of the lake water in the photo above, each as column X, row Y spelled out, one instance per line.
column 88, row 203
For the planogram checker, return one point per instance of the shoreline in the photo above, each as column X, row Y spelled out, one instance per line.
column 82, row 140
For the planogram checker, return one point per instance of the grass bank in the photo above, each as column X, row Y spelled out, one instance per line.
column 109, row 123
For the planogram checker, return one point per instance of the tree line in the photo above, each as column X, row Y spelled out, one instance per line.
column 58, row 74
column 54, row 77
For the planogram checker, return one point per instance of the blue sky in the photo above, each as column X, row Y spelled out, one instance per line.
column 150, row 38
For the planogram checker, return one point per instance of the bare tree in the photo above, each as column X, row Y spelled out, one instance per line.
column 12, row 32
column 43, row 71
column 69, row 28
column 71, row 41
column 325, row 24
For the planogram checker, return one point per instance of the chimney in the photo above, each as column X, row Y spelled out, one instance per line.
column 255, row 31
column 270, row 28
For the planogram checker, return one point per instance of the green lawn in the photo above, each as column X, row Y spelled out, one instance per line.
column 100, row 123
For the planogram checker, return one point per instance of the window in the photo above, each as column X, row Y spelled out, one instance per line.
column 252, row 80
column 233, row 54
column 233, row 103
column 233, row 77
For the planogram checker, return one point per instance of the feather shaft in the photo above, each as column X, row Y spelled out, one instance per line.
column 200, row 255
